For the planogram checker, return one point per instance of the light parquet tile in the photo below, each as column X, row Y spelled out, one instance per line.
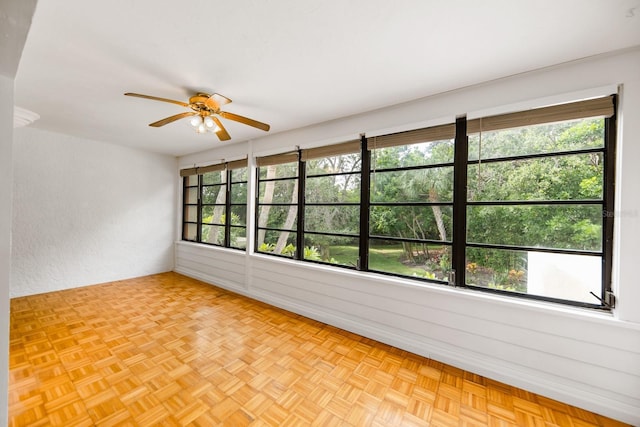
column 167, row 350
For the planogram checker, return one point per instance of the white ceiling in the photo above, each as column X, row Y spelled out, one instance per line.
column 290, row 63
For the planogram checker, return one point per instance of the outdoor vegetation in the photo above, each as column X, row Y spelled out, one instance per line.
column 527, row 188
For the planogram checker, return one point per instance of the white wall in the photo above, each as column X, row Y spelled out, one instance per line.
column 15, row 21
column 585, row 358
column 6, row 134
column 87, row 212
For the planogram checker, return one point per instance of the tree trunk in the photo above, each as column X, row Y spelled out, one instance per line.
column 288, row 223
column 263, row 217
column 437, row 213
column 218, row 211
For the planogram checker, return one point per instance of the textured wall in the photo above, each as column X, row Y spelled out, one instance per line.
column 6, row 130
column 579, row 356
column 86, row 212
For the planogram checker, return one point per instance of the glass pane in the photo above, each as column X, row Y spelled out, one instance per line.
column 213, row 214
column 332, row 219
column 421, row 185
column 285, row 170
column 572, row 177
column 191, row 195
column 190, row 214
column 190, row 232
column 278, row 191
column 284, row 217
column 214, row 194
column 239, row 215
column 569, row 277
column 547, row 226
column 336, row 164
column 213, row 234
column 240, row 174
column 216, row 177
column 239, row 193
column 410, row 259
column 238, row 237
column 277, row 242
column 332, row 189
column 192, row 180
column 415, row 222
column 333, row 250
column 546, row 138
column 427, row 153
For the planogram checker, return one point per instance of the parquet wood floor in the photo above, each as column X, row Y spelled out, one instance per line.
column 167, row 350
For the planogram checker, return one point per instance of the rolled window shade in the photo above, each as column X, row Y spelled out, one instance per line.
column 189, row 172
column 598, row 107
column 277, row 159
column 211, row 168
column 237, row 164
column 331, row 150
column 435, row 133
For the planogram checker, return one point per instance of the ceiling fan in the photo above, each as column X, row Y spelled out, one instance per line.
column 204, row 117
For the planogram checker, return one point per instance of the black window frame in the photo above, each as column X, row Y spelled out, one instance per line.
column 282, row 159
column 227, row 187
column 405, row 139
column 608, row 152
column 458, row 241
column 303, row 203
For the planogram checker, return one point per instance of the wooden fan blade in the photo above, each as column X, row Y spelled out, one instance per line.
column 172, row 119
column 216, row 100
column 245, row 120
column 223, row 135
column 221, row 99
column 155, row 98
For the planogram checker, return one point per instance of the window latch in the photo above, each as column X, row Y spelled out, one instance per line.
column 609, row 300
column 452, row 278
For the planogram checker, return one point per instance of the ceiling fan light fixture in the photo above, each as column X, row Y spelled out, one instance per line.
column 203, row 117
column 195, row 121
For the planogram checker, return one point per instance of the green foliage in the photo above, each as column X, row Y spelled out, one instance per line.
column 289, row 250
column 425, row 274
column 562, row 177
column 312, row 253
column 565, row 177
column 266, row 247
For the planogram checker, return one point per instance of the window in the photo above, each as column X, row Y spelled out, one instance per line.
column 190, row 207
column 518, row 204
column 332, row 204
column 215, row 204
column 536, row 193
column 277, row 207
column 411, row 203
column 237, row 207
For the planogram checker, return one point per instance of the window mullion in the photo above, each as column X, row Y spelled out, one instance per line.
column 302, row 170
column 199, row 218
column 227, row 215
column 184, row 207
column 461, row 156
column 609, row 191
column 365, row 203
